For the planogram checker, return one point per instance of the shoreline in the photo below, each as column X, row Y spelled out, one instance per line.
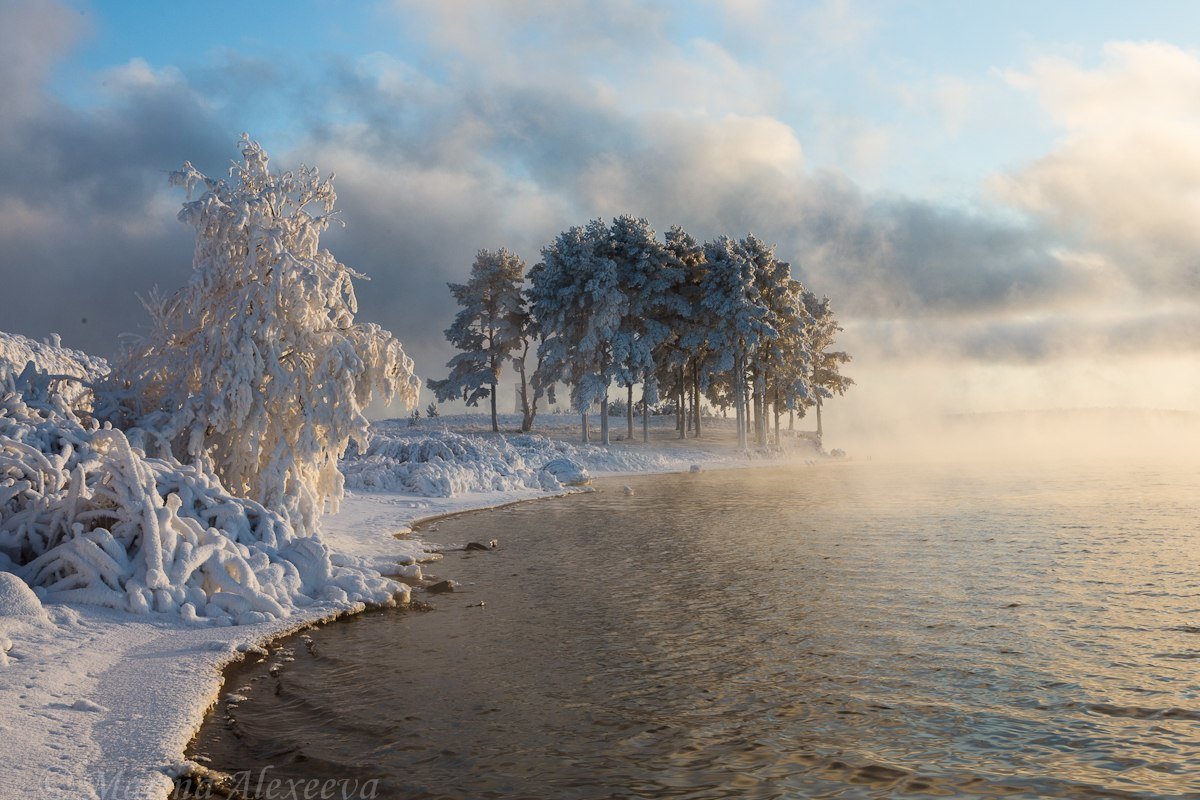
column 134, row 690
column 207, row 781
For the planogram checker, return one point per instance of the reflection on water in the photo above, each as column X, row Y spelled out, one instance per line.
column 852, row 630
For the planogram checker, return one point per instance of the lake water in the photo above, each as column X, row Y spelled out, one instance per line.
column 844, row 630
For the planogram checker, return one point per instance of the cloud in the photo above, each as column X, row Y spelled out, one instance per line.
column 468, row 146
column 86, row 219
column 952, row 100
column 822, row 30
column 1125, row 175
column 503, row 125
column 33, row 36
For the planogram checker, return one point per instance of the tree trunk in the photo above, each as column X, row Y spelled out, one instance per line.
column 495, row 425
column 791, row 419
column 680, row 409
column 629, row 410
column 585, row 426
column 764, row 422
column 696, row 394
column 604, row 420
column 819, row 431
column 775, row 408
column 744, row 396
column 528, row 409
column 754, row 401
column 645, row 416
column 740, row 401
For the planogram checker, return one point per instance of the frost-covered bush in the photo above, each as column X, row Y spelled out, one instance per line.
column 86, row 517
column 257, row 366
column 445, row 464
column 76, row 369
column 50, row 357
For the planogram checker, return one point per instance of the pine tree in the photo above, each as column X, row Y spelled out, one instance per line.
column 685, row 348
column 576, row 298
column 649, row 280
column 825, row 376
column 492, row 325
column 730, row 294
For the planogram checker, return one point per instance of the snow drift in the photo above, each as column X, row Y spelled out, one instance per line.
column 443, row 463
column 87, row 517
column 50, row 357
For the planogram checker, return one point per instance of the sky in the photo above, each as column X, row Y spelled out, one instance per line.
column 1000, row 198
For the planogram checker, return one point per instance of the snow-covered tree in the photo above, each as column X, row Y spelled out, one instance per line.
column 257, row 366
column 650, row 280
column 780, row 356
column 729, row 293
column 575, row 295
column 492, row 326
column 787, row 361
column 680, row 357
column 825, row 375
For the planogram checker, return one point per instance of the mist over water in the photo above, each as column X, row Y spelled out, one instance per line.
column 862, row 629
column 943, row 408
column 1065, row 435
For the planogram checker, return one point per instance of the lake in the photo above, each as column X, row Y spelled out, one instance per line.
column 842, row 630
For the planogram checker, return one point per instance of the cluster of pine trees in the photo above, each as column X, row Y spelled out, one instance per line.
column 612, row 306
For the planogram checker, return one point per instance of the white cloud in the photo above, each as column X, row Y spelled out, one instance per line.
column 1125, row 174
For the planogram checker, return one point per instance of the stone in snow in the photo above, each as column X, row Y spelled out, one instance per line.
column 568, row 472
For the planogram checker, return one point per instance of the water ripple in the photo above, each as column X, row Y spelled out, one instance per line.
column 850, row 631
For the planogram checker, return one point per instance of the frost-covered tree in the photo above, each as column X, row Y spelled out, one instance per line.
column 257, row 366
column 575, row 295
column 825, row 375
column 682, row 359
column 787, row 359
column 729, row 293
column 492, row 326
column 649, row 279
column 779, row 358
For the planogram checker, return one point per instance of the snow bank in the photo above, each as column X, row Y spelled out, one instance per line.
column 18, row 600
column 443, row 463
column 50, row 357
column 85, row 517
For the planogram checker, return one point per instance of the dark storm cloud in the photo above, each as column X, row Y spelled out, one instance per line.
column 85, row 216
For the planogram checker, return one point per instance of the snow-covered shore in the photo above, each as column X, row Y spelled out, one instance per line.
column 97, row 703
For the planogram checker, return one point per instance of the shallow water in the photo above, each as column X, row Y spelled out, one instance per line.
column 845, row 630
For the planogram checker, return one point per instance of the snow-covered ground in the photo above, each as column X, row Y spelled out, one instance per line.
column 100, row 703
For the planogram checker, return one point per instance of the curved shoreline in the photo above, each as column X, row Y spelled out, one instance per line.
column 214, row 780
column 107, row 703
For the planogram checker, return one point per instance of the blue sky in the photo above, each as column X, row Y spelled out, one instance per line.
column 1005, row 187
column 866, row 74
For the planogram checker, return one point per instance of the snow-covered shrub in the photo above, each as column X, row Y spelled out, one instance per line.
column 76, row 370
column 257, row 366
column 86, row 517
column 443, row 464
column 50, row 357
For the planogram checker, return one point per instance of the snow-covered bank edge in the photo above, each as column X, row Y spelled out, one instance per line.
column 101, row 704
